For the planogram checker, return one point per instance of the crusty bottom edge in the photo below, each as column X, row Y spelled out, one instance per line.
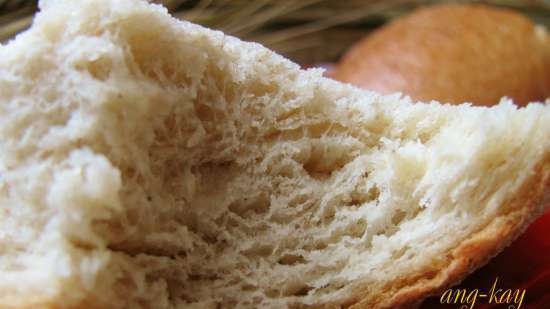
column 532, row 199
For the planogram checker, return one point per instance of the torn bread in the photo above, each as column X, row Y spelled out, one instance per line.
column 147, row 162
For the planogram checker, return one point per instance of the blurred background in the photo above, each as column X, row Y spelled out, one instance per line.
column 321, row 32
column 306, row 31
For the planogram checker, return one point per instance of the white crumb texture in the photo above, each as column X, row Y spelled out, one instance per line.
column 147, row 162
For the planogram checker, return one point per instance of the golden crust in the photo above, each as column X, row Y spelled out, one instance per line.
column 453, row 53
column 531, row 200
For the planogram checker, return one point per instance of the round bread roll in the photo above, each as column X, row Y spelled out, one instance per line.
column 454, row 53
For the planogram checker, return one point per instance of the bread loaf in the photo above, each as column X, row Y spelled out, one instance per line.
column 454, row 53
column 147, row 162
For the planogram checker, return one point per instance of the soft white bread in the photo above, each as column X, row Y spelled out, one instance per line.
column 147, row 162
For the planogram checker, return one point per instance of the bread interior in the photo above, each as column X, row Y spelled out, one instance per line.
column 180, row 167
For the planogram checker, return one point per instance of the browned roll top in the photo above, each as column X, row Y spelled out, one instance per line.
column 454, row 53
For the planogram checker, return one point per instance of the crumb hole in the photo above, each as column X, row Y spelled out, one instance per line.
column 258, row 251
column 250, row 205
column 291, row 259
column 296, row 289
column 398, row 217
column 99, row 69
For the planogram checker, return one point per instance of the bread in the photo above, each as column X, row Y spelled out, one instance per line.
column 147, row 162
column 454, row 53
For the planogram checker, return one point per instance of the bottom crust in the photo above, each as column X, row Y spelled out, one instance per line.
column 532, row 199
